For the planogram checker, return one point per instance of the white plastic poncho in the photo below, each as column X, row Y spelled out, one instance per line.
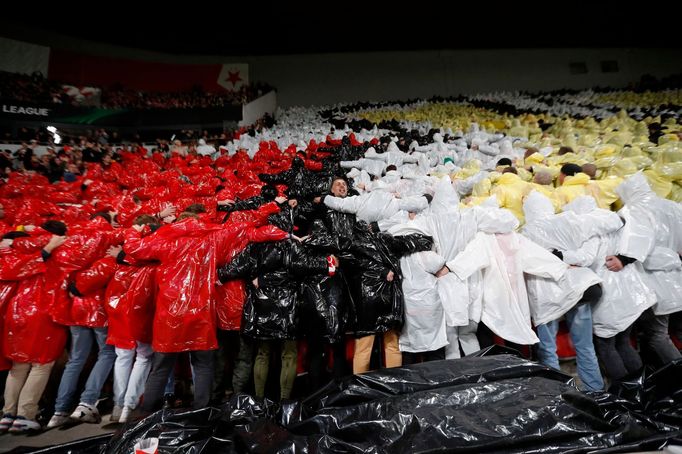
column 625, row 294
column 567, row 230
column 375, row 205
column 452, row 230
column 503, row 257
column 550, row 299
column 653, row 235
column 424, row 328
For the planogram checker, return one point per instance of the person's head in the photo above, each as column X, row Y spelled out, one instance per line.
column 568, row 170
column 529, row 151
column 196, row 208
column 268, row 192
column 510, row 170
column 542, row 177
column 564, row 150
column 391, row 167
column 339, row 187
column 54, row 227
column 590, row 170
column 185, row 215
column 504, row 162
column 297, row 163
column 8, row 238
column 102, row 214
column 145, row 219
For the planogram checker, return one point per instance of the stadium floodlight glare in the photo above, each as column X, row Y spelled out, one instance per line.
column 57, row 139
column 52, row 129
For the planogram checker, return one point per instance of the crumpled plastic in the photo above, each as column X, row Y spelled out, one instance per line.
column 478, row 403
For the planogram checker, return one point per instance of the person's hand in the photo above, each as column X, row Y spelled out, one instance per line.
column 169, row 219
column 280, row 199
column 613, row 263
column 138, row 228
column 360, row 186
column 443, row 271
column 226, row 202
column 29, row 228
column 255, row 282
column 390, row 276
column 317, row 199
column 113, row 251
column 55, row 241
column 87, row 182
column 293, row 203
column 168, row 210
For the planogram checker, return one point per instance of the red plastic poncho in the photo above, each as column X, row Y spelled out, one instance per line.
column 81, row 249
column 130, row 305
column 30, row 334
column 185, row 316
column 88, row 309
column 14, row 267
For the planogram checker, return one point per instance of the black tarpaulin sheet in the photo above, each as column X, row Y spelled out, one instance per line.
column 498, row 403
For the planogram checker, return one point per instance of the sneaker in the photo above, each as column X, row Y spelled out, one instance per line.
column 115, row 414
column 6, row 422
column 58, row 419
column 86, row 413
column 22, row 425
column 126, row 413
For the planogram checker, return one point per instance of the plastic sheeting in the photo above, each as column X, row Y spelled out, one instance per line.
column 476, row 404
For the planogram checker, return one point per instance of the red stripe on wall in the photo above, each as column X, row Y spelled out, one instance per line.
column 80, row 69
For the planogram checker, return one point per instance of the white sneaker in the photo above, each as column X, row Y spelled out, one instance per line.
column 6, row 422
column 58, row 419
column 126, row 413
column 86, row 413
column 22, row 425
column 115, row 414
